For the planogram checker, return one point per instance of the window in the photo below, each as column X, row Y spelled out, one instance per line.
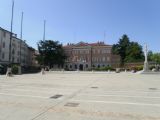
column 4, row 34
column 87, row 51
column 99, row 51
column 75, row 66
column 18, row 53
column 3, row 55
column 66, row 66
column 12, row 59
column 108, row 58
column 13, row 51
column 97, row 59
column 81, row 52
column 70, row 66
column 3, row 44
column 103, row 59
column 103, row 51
column 108, row 51
column 94, row 51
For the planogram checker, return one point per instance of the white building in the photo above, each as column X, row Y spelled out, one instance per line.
column 19, row 49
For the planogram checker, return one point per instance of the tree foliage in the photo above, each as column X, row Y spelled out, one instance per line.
column 51, row 53
column 128, row 51
column 154, row 57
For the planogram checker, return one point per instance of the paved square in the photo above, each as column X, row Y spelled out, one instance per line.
column 80, row 96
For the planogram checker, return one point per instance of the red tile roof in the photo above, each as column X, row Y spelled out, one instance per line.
column 86, row 44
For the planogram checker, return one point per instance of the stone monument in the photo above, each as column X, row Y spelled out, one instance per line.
column 146, row 66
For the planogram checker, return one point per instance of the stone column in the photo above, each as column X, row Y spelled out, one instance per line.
column 146, row 66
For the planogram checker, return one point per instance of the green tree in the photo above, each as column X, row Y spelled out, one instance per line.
column 128, row 51
column 155, row 57
column 150, row 54
column 51, row 53
column 121, row 47
column 134, row 53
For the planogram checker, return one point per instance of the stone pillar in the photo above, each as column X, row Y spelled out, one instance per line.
column 146, row 66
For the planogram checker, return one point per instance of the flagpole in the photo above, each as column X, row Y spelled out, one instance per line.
column 44, row 30
column 104, row 36
column 9, row 69
column 11, row 32
column 21, row 35
column 21, row 26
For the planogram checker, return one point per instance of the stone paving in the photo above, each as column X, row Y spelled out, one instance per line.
column 80, row 96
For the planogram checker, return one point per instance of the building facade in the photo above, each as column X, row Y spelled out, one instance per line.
column 32, row 54
column 86, row 56
column 20, row 51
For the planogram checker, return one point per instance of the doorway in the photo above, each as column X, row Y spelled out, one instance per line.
column 81, row 67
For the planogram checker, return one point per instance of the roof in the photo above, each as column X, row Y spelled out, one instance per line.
column 81, row 44
column 13, row 34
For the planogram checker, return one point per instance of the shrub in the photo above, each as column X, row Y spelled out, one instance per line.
column 104, row 68
column 151, row 67
column 15, row 69
column 137, row 68
column 30, row 69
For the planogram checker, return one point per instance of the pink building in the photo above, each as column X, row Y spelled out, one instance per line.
column 85, row 56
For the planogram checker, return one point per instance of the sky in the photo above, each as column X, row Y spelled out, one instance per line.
column 71, row 21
